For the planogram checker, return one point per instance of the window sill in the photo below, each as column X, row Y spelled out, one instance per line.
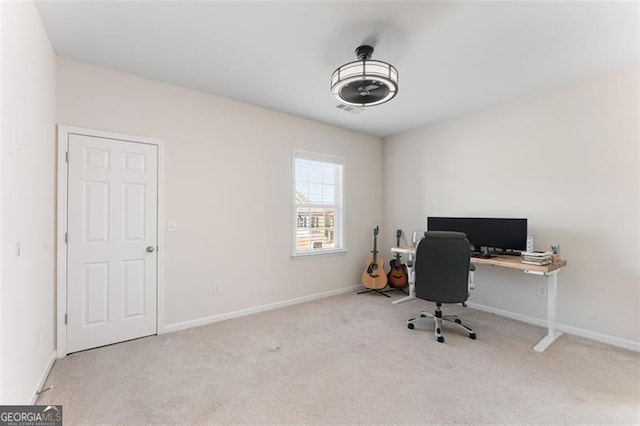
column 312, row 254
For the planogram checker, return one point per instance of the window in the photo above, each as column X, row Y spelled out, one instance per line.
column 318, row 211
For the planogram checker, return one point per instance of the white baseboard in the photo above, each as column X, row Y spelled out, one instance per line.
column 43, row 377
column 587, row 334
column 249, row 311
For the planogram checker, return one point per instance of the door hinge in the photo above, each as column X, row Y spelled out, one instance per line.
column 66, row 237
column 66, row 156
column 65, row 319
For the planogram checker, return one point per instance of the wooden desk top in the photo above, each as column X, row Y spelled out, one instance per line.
column 404, row 250
column 514, row 262
column 511, row 262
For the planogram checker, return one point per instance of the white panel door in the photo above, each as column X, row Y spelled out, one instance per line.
column 112, row 237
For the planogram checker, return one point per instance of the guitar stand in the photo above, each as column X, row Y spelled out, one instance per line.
column 375, row 290
column 400, row 289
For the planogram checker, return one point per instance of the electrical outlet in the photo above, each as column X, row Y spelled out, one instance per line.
column 542, row 291
column 217, row 287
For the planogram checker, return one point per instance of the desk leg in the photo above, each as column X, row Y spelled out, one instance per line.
column 411, row 296
column 412, row 286
column 552, row 301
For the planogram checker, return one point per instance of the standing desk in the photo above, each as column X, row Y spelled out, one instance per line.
column 510, row 262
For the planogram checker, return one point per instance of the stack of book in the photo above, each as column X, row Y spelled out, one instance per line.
column 537, row 257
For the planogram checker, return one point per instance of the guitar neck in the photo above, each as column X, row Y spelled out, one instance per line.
column 375, row 248
column 375, row 245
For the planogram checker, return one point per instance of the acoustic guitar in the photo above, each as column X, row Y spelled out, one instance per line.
column 398, row 276
column 373, row 276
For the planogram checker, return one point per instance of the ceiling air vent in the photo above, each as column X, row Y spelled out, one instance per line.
column 349, row 108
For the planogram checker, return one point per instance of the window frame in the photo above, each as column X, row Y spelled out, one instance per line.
column 339, row 227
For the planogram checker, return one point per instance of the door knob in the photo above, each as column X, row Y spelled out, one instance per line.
column 150, row 249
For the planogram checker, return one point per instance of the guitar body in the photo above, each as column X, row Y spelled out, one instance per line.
column 398, row 276
column 373, row 276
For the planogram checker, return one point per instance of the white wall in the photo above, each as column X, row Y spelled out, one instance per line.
column 568, row 161
column 28, row 203
column 228, row 185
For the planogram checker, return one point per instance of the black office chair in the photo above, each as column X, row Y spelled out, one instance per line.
column 442, row 268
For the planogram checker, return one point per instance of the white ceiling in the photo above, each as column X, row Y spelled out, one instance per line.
column 452, row 57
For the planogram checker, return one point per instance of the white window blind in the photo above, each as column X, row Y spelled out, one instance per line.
column 317, row 203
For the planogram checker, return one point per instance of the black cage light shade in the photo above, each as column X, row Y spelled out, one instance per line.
column 365, row 82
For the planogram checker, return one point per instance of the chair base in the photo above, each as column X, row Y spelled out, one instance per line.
column 439, row 321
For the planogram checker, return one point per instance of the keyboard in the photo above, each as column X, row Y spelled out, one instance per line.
column 482, row 256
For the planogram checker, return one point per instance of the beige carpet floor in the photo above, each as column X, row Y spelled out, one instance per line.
column 349, row 359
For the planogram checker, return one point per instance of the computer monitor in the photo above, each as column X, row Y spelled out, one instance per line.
column 493, row 233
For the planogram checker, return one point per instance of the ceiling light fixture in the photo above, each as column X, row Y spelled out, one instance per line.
column 365, row 82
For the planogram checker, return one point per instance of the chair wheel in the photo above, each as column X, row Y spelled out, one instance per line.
column 423, row 316
column 441, row 339
column 457, row 321
column 438, row 331
column 472, row 336
column 410, row 326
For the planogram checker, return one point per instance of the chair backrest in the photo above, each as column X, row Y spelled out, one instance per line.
column 442, row 267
